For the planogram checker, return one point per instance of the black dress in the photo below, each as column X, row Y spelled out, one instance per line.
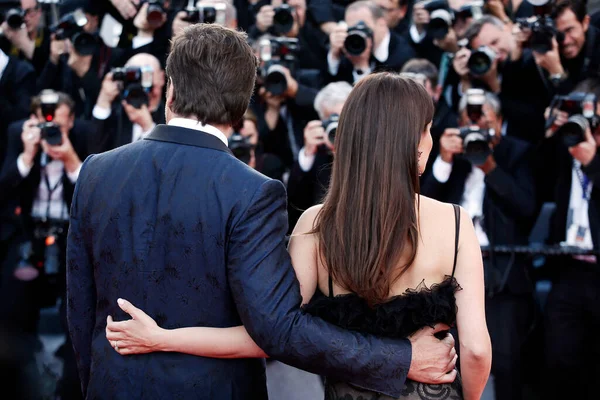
column 397, row 318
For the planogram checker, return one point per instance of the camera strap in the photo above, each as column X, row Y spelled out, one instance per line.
column 584, row 181
column 51, row 191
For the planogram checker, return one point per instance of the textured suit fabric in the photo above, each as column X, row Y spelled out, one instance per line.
column 194, row 237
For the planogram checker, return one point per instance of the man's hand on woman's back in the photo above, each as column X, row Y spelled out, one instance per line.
column 433, row 360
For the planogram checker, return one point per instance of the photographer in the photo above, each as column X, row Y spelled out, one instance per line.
column 128, row 108
column 489, row 175
column 245, row 145
column 37, row 181
column 182, row 19
column 30, row 41
column 310, row 174
column 364, row 43
column 570, row 167
column 488, row 62
column 79, row 59
column 397, row 14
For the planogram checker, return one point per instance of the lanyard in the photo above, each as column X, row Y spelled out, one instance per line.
column 584, row 181
column 51, row 190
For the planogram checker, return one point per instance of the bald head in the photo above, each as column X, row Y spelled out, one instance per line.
column 143, row 60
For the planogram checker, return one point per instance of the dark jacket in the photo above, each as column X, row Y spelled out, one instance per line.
column 509, row 203
column 207, row 251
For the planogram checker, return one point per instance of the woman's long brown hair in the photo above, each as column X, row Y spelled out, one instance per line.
column 369, row 216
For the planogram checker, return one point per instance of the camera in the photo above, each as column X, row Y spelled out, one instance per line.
column 50, row 131
column 476, row 143
column 283, row 20
column 213, row 14
column 481, row 60
column 475, row 100
column 542, row 27
column 155, row 13
column 275, row 54
column 241, row 147
column 70, row 26
column 581, row 108
column 330, row 126
column 136, row 83
column 356, row 41
column 441, row 18
column 15, row 18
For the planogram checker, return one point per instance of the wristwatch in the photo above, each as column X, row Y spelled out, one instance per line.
column 556, row 79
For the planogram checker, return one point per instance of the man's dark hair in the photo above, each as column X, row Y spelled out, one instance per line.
column 63, row 99
column 475, row 27
column 422, row 66
column 579, row 8
column 212, row 70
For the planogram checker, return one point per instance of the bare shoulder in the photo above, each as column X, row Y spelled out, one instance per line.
column 307, row 220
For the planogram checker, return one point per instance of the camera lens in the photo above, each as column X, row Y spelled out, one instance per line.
column 573, row 131
column 479, row 62
column 283, row 20
column 135, row 95
column 475, row 144
column 85, row 43
column 155, row 14
column 14, row 18
column 275, row 81
column 209, row 15
column 51, row 133
column 355, row 43
column 439, row 24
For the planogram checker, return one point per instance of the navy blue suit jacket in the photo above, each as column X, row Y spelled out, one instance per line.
column 194, row 237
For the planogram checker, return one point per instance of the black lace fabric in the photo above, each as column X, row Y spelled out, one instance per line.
column 399, row 317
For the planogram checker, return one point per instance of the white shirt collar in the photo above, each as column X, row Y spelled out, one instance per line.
column 197, row 125
column 382, row 52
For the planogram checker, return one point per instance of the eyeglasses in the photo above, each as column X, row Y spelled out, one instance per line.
column 30, row 10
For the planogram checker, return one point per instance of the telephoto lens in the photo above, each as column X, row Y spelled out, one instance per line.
column 330, row 127
column 481, row 60
column 356, row 41
column 573, row 131
column 15, row 18
column 283, row 20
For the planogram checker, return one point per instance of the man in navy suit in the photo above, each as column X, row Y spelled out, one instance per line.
column 183, row 229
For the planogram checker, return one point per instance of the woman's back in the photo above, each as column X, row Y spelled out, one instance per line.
column 422, row 296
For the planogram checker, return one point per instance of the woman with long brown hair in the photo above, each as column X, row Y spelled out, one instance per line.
column 375, row 257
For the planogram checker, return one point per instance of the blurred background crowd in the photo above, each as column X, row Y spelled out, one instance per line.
column 516, row 84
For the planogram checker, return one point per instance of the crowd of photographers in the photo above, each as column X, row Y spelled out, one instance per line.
column 516, row 84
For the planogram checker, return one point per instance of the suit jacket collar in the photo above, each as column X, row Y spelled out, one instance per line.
column 190, row 137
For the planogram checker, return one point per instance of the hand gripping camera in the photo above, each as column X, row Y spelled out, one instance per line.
column 356, row 41
column 136, row 84
column 206, row 14
column 476, row 141
column 275, row 54
column 330, row 126
column 70, row 27
column 542, row 27
column 581, row 108
column 50, row 130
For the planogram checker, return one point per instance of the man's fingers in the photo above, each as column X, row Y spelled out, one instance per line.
column 448, row 378
column 449, row 340
column 452, row 364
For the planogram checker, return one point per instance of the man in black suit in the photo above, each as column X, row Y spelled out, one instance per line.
column 497, row 192
column 198, row 238
column 572, row 176
column 37, row 182
column 385, row 50
column 119, row 121
column 309, row 177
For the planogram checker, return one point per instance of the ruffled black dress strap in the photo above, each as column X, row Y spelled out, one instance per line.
column 456, row 235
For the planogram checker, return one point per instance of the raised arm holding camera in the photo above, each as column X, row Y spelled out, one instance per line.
column 130, row 102
column 364, row 43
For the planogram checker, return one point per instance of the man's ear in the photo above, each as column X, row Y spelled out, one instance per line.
column 586, row 23
column 170, row 94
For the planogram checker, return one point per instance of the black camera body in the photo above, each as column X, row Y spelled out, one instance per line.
column 155, row 13
column 356, row 41
column 50, row 131
column 241, row 147
column 15, row 18
column 277, row 53
column 136, row 83
column 330, row 126
column 476, row 143
column 581, row 108
column 206, row 14
column 543, row 30
column 70, row 26
column 283, row 20
column 441, row 18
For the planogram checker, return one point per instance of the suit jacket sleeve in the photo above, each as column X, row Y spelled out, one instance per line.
column 81, row 288
column 268, row 299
